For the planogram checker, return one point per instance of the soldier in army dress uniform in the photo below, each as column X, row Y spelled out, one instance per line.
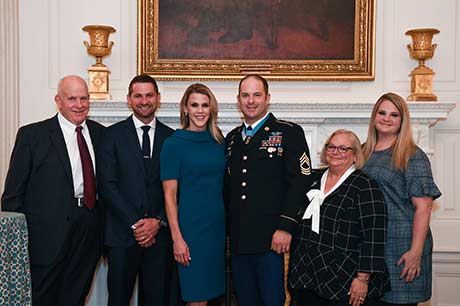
column 268, row 169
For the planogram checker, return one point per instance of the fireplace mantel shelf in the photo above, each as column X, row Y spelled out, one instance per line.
column 424, row 113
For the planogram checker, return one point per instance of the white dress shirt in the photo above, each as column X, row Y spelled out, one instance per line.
column 140, row 132
column 70, row 138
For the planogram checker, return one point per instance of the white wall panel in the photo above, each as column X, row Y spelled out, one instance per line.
column 401, row 16
column 35, row 99
column 446, row 279
column 446, row 214
column 67, row 36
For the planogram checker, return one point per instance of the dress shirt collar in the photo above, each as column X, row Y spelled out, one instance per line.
column 255, row 124
column 138, row 124
column 68, row 126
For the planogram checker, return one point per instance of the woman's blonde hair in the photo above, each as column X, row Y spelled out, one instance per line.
column 212, row 127
column 355, row 144
column 404, row 146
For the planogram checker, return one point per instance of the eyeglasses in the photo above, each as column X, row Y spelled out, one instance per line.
column 341, row 149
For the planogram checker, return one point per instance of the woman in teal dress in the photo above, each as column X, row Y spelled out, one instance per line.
column 403, row 173
column 192, row 167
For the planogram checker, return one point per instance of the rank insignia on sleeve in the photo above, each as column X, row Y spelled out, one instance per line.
column 305, row 164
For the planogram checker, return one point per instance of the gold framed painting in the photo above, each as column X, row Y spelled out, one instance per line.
column 320, row 40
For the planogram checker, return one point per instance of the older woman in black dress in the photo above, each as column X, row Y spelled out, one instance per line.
column 337, row 257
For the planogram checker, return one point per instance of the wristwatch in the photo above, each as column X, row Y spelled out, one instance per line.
column 162, row 222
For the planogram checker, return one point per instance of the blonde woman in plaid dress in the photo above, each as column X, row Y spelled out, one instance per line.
column 403, row 173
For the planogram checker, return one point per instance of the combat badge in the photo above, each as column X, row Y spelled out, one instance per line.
column 275, row 139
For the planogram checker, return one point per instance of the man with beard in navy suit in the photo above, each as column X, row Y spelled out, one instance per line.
column 137, row 240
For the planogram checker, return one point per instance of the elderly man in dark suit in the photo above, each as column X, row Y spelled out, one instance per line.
column 51, row 180
column 136, row 238
column 268, row 168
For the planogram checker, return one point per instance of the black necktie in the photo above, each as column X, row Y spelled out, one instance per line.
column 89, row 182
column 146, row 145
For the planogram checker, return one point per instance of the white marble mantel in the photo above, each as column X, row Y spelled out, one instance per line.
column 427, row 113
column 319, row 120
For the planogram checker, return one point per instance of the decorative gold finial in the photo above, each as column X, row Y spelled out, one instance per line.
column 99, row 47
column 421, row 49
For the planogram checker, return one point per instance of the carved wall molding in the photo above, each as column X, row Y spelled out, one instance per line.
column 9, row 82
column 319, row 120
column 421, row 113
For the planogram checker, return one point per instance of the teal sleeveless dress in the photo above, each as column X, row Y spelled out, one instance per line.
column 197, row 162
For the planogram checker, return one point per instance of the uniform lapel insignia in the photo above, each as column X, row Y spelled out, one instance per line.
column 304, row 162
column 247, row 139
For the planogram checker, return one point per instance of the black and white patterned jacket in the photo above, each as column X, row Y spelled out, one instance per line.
column 351, row 239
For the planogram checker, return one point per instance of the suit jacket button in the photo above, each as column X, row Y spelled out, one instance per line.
column 243, row 184
column 244, row 170
column 243, row 197
column 245, row 157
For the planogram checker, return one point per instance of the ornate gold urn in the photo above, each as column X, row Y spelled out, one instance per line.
column 421, row 49
column 99, row 47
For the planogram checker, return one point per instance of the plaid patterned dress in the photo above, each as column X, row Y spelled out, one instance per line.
column 351, row 239
column 398, row 188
